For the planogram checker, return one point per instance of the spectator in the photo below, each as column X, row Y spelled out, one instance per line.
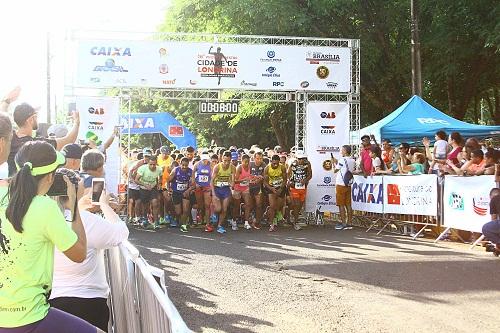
column 439, row 153
column 92, row 166
column 81, row 288
column 473, row 167
column 491, row 159
column 491, row 230
column 404, row 150
column 73, row 153
column 387, row 153
column 344, row 165
column 25, row 116
column 366, row 165
column 32, row 224
column 417, row 167
column 377, row 164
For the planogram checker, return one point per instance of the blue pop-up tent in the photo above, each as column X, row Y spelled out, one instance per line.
column 161, row 122
column 416, row 119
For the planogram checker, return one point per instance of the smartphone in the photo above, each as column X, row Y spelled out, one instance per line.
column 59, row 187
column 71, row 108
column 97, row 188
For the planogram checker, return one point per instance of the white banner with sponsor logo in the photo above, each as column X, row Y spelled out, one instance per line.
column 367, row 194
column 415, row 195
column 98, row 118
column 327, row 131
column 191, row 65
column 466, row 202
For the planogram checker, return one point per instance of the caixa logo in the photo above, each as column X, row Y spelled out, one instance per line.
column 368, row 193
column 431, row 121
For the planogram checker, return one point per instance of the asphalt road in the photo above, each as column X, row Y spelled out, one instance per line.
column 322, row 280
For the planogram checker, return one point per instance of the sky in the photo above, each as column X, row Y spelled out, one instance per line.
column 24, row 26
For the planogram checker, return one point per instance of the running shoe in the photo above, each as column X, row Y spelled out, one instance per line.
column 256, row 226
column 297, row 227
column 340, row 226
column 209, row 228
column 184, row 228
column 234, row 225
column 272, row 228
column 162, row 221
column 173, row 224
column 156, row 225
column 221, row 230
column 347, row 227
column 247, row 225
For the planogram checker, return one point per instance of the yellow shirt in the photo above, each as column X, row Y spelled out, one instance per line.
column 167, row 162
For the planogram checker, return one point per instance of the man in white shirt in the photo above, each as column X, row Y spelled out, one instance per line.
column 344, row 167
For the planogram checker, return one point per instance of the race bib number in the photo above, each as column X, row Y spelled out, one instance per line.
column 244, row 183
column 300, row 186
column 222, row 184
column 182, row 186
column 203, row 178
column 277, row 183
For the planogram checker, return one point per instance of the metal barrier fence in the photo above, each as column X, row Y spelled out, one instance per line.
column 139, row 302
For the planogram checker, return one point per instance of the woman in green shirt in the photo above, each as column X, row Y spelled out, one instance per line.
column 31, row 224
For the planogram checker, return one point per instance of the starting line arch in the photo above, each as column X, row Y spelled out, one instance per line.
column 111, row 47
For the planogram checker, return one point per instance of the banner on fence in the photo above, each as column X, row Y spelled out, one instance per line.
column 466, row 202
column 98, row 118
column 327, row 131
column 414, row 195
column 368, row 194
column 196, row 65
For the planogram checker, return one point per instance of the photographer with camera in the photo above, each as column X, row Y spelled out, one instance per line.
column 81, row 288
column 31, row 224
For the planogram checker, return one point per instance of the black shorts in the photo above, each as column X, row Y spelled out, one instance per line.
column 177, row 197
column 255, row 190
column 280, row 194
column 148, row 195
column 133, row 194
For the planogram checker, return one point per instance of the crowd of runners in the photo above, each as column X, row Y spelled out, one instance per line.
column 211, row 186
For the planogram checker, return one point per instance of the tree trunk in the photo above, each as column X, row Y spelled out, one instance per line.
column 496, row 95
column 278, row 124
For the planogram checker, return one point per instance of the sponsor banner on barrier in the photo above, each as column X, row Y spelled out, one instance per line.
column 414, row 195
column 466, row 202
column 98, row 118
column 368, row 194
column 327, row 131
column 192, row 65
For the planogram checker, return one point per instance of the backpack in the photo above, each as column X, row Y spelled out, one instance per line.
column 348, row 176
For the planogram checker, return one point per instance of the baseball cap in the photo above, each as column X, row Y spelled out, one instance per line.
column 234, row 156
column 72, row 150
column 22, row 112
column 164, row 150
column 57, row 130
column 147, row 152
column 278, row 149
column 204, row 157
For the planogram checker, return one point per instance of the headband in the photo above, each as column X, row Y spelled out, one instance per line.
column 45, row 169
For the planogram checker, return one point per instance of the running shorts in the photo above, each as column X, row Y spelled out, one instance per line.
column 177, row 197
column 298, row 194
column 148, row 195
column 222, row 192
column 133, row 194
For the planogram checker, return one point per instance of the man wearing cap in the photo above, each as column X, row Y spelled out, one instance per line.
column 299, row 173
column 73, row 154
column 164, row 159
column 25, row 116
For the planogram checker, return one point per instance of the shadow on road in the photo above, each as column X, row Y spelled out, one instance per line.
column 414, row 270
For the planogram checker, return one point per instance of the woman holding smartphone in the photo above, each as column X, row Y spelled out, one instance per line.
column 31, row 224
